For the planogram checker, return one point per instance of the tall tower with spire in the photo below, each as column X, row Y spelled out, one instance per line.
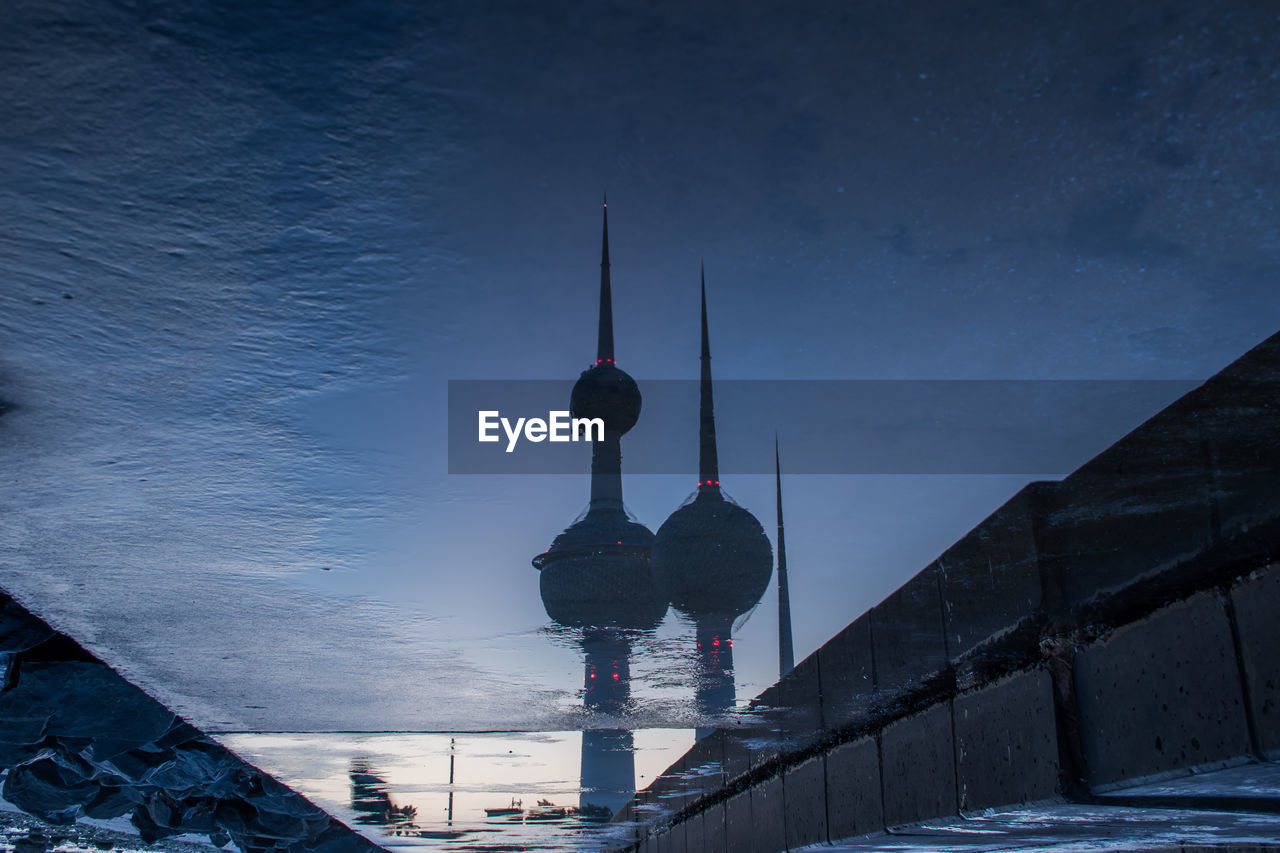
column 596, row 576
column 786, row 652
column 712, row 557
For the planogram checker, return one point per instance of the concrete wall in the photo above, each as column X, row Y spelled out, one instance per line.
column 1116, row 626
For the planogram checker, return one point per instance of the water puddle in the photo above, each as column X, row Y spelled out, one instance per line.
column 461, row 791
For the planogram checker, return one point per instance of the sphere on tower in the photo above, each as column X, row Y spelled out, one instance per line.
column 597, row 574
column 712, row 558
column 607, row 392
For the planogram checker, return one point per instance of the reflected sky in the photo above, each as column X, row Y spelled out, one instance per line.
column 245, row 249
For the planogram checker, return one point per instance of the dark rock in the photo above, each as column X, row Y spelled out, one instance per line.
column 137, row 764
column 86, row 699
column 35, row 842
column 110, row 802
column 19, row 630
column 276, row 798
column 199, row 767
column 50, row 788
column 21, row 738
column 151, row 831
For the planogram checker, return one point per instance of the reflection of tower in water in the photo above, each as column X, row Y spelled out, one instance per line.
column 608, row 757
column 712, row 558
column 596, row 575
column 786, row 650
column 372, row 803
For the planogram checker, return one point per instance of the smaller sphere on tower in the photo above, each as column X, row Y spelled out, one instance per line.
column 609, row 393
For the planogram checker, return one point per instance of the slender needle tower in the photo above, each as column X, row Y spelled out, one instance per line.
column 596, row 576
column 712, row 557
column 786, row 652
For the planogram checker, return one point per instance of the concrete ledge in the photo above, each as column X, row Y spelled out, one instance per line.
column 693, row 841
column 1140, row 507
column 673, row 840
column 1183, row 503
column 1161, row 695
column 845, row 669
column 664, row 793
column 765, row 727
column 737, row 821
column 918, row 769
column 907, row 634
column 804, row 792
column 854, row 805
column 703, row 767
column 768, row 818
column 1256, row 605
column 674, row 790
column 1007, row 743
column 714, row 830
column 738, row 749
column 802, row 704
column 1238, row 412
column 643, row 811
column 991, row 577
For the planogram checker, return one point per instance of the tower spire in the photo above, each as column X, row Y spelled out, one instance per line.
column 604, row 349
column 708, row 465
column 786, row 652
